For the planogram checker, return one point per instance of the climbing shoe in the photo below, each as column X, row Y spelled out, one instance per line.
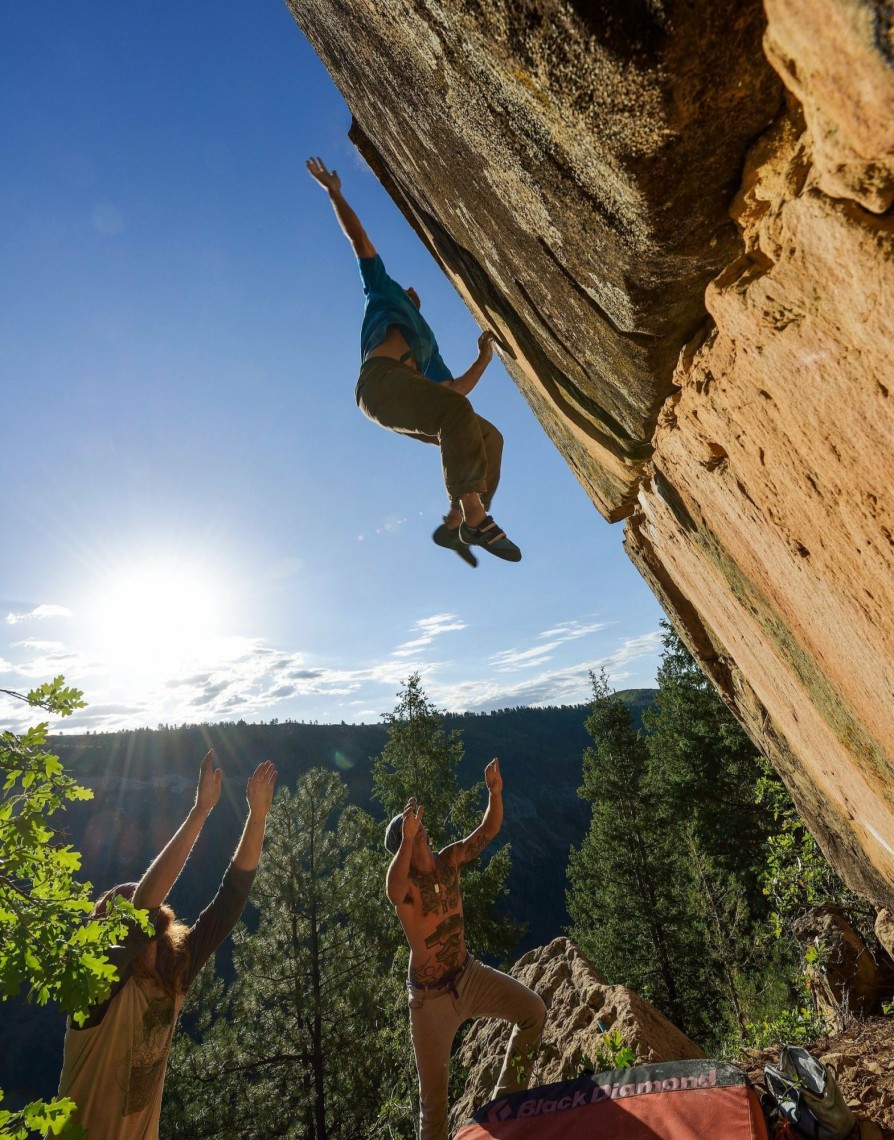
column 448, row 537
column 488, row 535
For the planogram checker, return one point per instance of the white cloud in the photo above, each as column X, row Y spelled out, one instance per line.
column 428, row 629
column 508, row 660
column 38, row 614
column 247, row 678
column 571, row 630
column 48, row 664
column 630, row 650
column 568, row 684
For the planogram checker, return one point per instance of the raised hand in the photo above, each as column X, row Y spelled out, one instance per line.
column 208, row 790
column 492, row 778
column 486, row 346
column 328, row 179
column 412, row 819
column 259, row 790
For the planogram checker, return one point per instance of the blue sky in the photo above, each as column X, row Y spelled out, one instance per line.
column 198, row 524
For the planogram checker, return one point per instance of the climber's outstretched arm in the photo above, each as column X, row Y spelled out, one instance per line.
column 464, row 383
column 347, row 219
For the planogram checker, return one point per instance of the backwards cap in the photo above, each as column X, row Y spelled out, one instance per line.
column 394, row 833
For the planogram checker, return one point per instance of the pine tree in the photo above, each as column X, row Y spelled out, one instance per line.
column 668, row 890
column 622, row 897
column 296, row 1044
column 707, row 770
column 421, row 759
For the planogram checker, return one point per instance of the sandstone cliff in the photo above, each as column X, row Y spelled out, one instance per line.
column 677, row 215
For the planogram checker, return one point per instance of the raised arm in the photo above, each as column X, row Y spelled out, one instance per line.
column 347, row 219
column 153, row 888
column 397, row 880
column 259, row 793
column 491, row 822
column 467, row 381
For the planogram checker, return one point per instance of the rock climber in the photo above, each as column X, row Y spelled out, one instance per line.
column 406, row 387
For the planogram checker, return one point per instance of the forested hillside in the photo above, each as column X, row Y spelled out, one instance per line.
column 143, row 783
column 688, row 874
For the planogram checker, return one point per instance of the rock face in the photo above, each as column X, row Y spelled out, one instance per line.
column 766, row 522
column 570, row 165
column 695, row 279
column 578, row 997
column 846, row 977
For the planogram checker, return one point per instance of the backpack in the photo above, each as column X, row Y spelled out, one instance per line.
column 676, row 1100
column 807, row 1095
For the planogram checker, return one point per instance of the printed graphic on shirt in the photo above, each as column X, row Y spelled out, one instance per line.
column 141, row 1070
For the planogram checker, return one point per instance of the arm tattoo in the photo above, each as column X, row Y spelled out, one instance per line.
column 474, row 847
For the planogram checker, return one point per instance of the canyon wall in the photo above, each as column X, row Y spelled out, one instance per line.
column 677, row 218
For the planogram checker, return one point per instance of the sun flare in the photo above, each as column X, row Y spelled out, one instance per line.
column 156, row 620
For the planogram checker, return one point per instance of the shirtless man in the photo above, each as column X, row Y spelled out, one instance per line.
column 446, row 984
column 405, row 386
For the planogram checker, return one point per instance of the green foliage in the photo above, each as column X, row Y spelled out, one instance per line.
column 420, row 759
column 796, row 875
column 613, row 1053
column 799, row 1025
column 625, row 918
column 666, row 891
column 295, row 1045
column 47, row 950
column 691, row 807
column 39, row 1116
column 706, row 768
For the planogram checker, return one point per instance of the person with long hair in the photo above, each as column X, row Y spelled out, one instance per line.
column 406, row 387
column 114, row 1064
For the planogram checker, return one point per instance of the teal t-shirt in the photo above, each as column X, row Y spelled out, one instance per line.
column 387, row 304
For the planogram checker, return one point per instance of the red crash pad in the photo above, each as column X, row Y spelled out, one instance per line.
column 679, row 1100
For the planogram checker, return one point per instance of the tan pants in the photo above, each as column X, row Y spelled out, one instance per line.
column 403, row 400
column 435, row 1016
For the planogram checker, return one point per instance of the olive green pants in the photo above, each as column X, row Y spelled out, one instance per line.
column 404, row 401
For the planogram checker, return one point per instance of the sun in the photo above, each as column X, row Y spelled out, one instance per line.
column 155, row 620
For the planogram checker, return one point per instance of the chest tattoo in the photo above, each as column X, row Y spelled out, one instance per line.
column 439, row 889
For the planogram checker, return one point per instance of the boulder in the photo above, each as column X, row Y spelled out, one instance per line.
column 884, row 930
column 837, row 58
column 845, row 976
column 766, row 520
column 569, row 165
column 582, row 1007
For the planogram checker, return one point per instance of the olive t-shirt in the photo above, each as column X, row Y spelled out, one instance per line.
column 114, row 1068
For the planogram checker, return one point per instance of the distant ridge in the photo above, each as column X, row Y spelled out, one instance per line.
column 142, row 781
